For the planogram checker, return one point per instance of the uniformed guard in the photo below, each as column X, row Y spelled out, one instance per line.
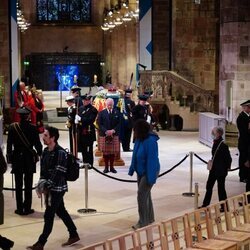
column 22, row 137
column 86, row 129
column 129, row 104
column 70, row 123
column 243, row 125
column 140, row 110
column 76, row 92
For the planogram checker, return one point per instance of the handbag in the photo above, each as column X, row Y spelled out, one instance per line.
column 210, row 162
column 26, row 142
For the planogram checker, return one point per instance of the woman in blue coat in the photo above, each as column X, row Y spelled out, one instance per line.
column 145, row 163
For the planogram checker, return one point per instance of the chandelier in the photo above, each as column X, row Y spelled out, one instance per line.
column 22, row 24
column 122, row 13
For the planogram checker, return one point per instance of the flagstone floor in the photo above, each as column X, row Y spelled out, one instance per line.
column 115, row 201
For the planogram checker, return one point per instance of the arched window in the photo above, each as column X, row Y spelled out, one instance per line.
column 64, row 11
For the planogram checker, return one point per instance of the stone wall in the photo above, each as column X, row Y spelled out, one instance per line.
column 235, row 57
column 121, row 53
column 161, row 34
column 195, row 27
column 54, row 38
column 4, row 49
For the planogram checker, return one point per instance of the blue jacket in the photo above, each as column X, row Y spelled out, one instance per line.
column 145, row 159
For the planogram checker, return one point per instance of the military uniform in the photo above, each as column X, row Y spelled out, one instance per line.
column 76, row 92
column 86, row 131
column 22, row 159
column 243, row 126
column 140, row 111
column 127, row 121
column 70, row 123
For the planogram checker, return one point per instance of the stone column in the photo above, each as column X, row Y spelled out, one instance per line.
column 235, row 57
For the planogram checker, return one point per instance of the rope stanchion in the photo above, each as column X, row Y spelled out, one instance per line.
column 196, row 195
column 86, row 209
column 190, row 193
column 134, row 181
column 197, row 156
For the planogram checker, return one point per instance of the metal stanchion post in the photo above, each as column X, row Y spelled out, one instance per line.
column 86, row 209
column 190, row 193
column 196, row 196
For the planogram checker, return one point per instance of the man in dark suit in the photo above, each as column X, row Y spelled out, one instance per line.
column 221, row 164
column 109, row 123
column 86, row 129
column 70, row 123
column 243, row 125
column 127, row 120
column 22, row 137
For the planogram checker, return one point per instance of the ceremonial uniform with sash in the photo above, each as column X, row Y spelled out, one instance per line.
column 20, row 155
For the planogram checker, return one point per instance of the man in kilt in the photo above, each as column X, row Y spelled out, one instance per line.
column 109, row 123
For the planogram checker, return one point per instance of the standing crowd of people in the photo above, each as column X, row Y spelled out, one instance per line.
column 115, row 127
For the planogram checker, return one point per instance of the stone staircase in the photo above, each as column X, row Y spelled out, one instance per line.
column 181, row 96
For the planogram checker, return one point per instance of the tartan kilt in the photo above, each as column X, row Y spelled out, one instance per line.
column 109, row 148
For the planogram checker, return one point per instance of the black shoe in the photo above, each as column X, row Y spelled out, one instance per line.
column 6, row 243
column 105, row 170
column 113, row 170
column 128, row 150
column 71, row 241
column 30, row 211
column 19, row 212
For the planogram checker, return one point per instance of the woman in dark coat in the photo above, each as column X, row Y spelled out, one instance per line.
column 221, row 164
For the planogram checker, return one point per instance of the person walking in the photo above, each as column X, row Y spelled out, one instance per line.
column 22, row 138
column 221, row 163
column 5, row 243
column 145, row 162
column 53, row 185
column 86, row 129
column 243, row 125
column 108, row 122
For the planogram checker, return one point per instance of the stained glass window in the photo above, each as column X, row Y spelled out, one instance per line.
column 64, row 11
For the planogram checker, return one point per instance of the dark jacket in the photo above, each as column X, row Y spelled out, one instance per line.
column 139, row 112
column 108, row 122
column 18, row 154
column 145, row 160
column 129, row 105
column 86, row 127
column 243, row 121
column 222, row 160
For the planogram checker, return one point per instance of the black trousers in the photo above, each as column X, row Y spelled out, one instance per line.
column 87, row 153
column 144, row 200
column 127, row 138
column 27, row 180
column 55, row 205
column 212, row 178
column 243, row 171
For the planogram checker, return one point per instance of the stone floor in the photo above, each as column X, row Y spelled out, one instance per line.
column 115, row 201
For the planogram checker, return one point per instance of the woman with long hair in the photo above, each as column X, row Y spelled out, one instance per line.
column 145, row 162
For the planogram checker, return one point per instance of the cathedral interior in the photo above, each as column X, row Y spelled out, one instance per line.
column 194, row 55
